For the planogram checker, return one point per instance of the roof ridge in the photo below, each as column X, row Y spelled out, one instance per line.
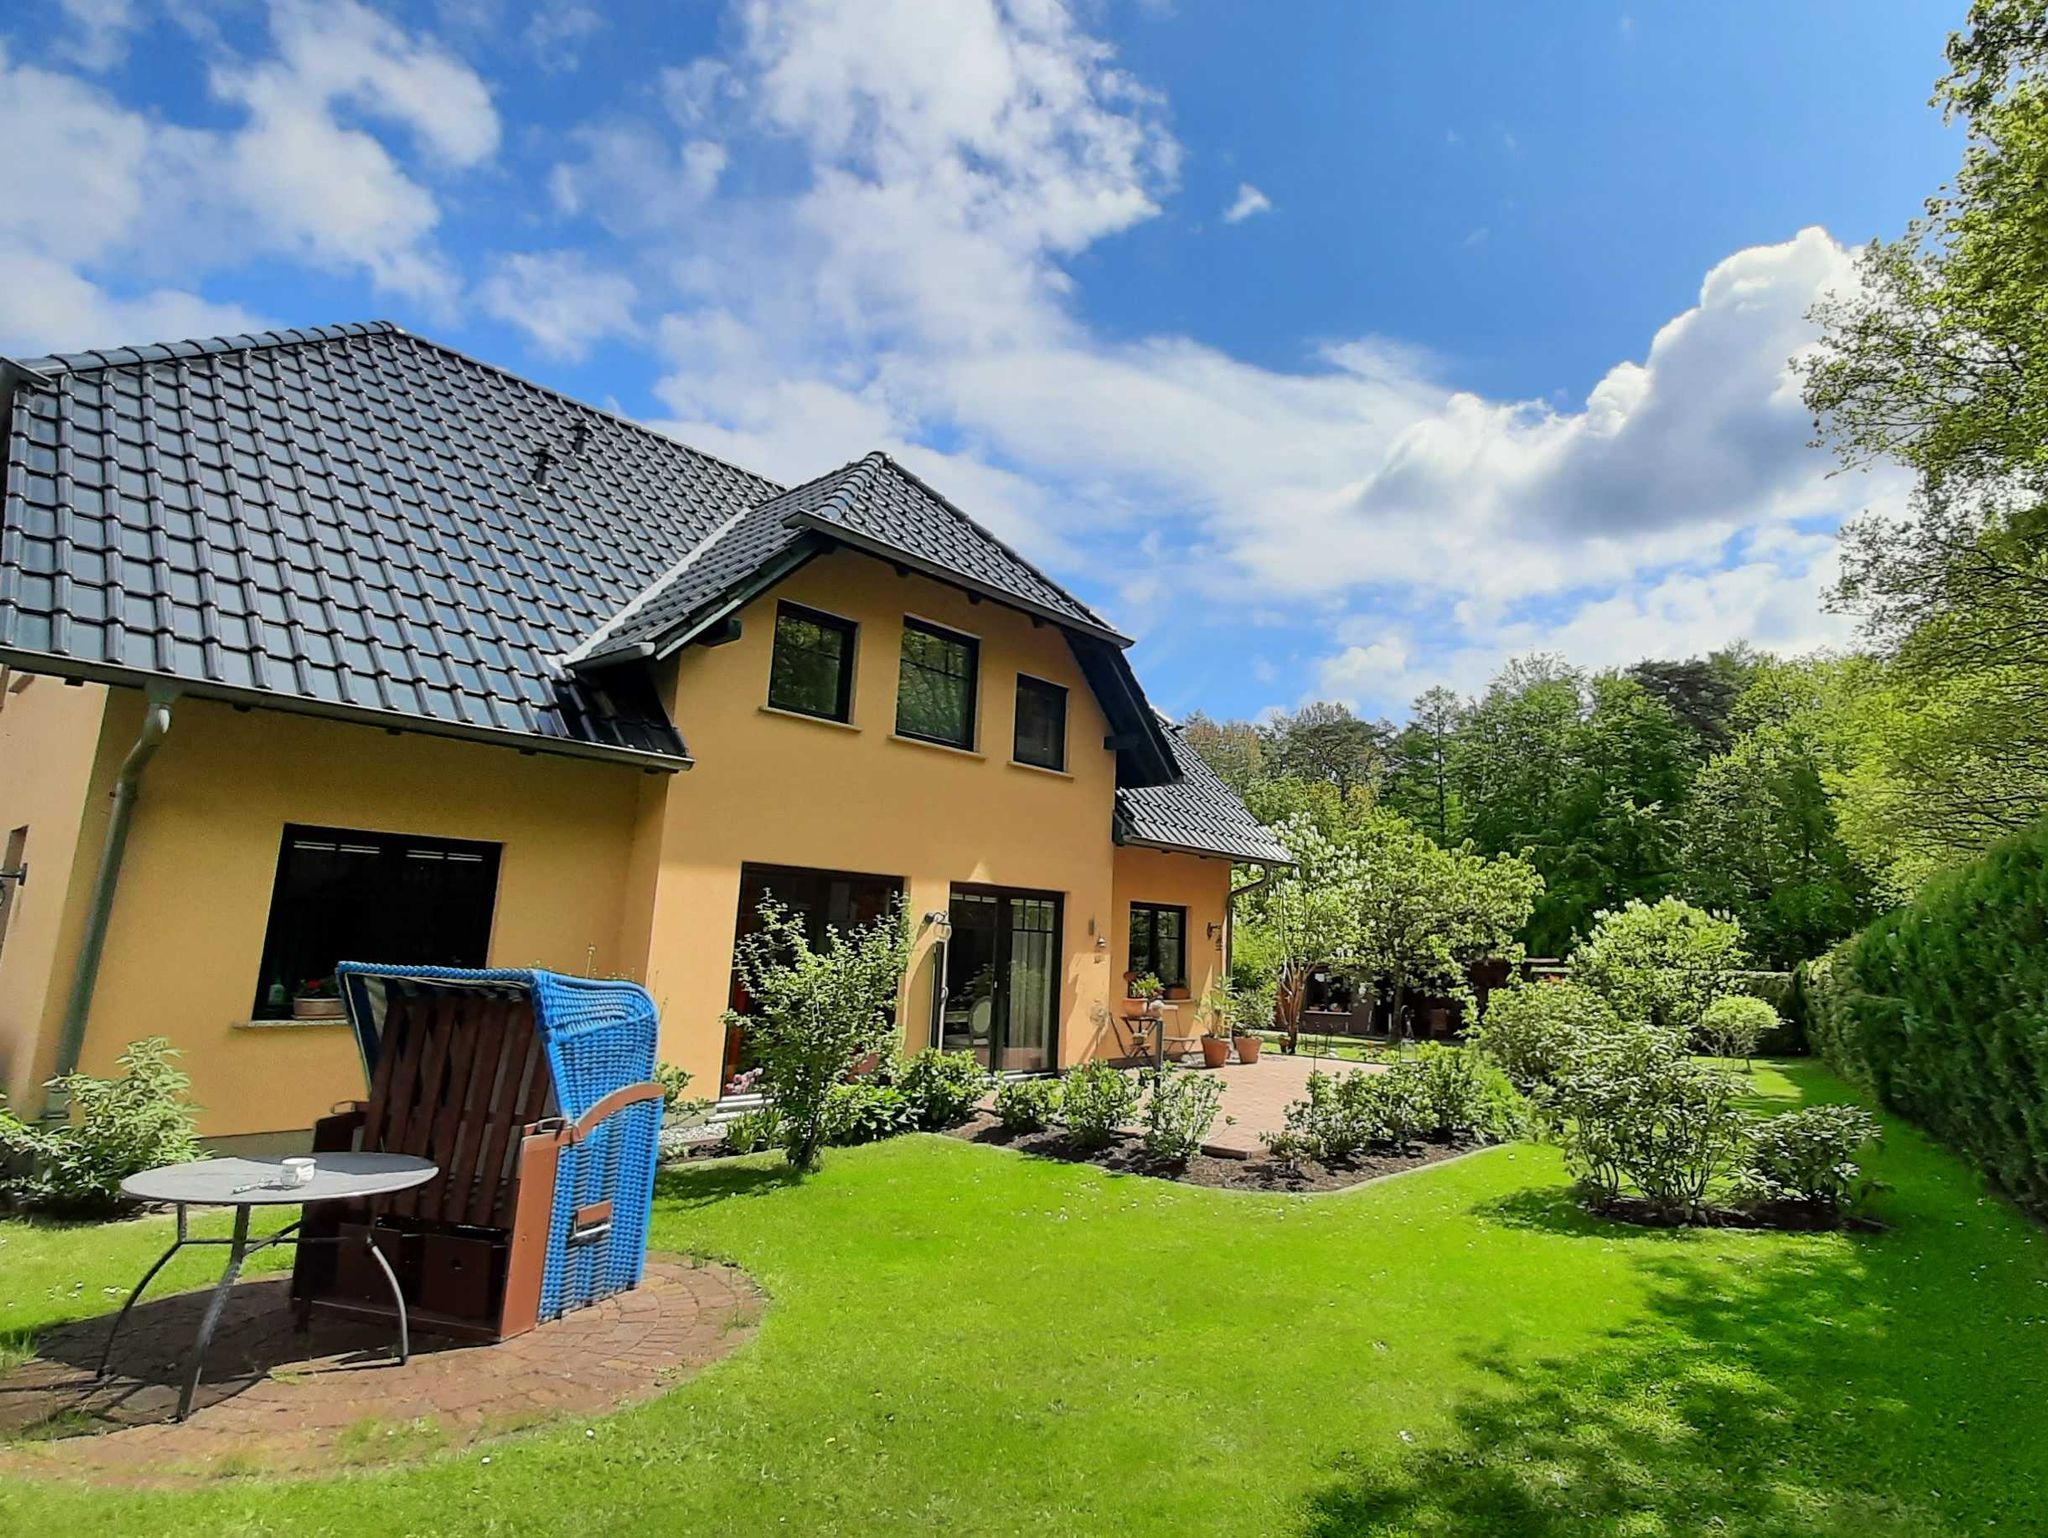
column 207, row 346
column 985, row 532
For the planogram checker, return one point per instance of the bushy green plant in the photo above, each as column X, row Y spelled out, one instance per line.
column 866, row 1112
column 137, row 1120
column 1344, row 1115
column 1937, row 1009
column 1027, row 1105
column 752, row 1131
column 1095, row 1100
column 1633, row 1110
column 1734, row 1024
column 1530, row 1027
column 1662, row 962
column 1458, row 1093
column 1178, row 1112
column 818, row 1010
column 940, row 1088
column 1807, row 1155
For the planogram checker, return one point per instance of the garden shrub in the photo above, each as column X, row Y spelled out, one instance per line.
column 1345, row 1115
column 1780, row 990
column 1529, row 1028
column 866, row 1112
column 1733, row 1025
column 941, row 1089
column 1096, row 1099
column 1633, row 1110
column 1178, row 1113
column 1663, row 962
column 135, row 1121
column 1027, row 1105
column 818, row 1010
column 1941, row 1010
column 1459, row 1093
column 1807, row 1156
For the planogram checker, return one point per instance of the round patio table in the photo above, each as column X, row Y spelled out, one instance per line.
column 246, row 1184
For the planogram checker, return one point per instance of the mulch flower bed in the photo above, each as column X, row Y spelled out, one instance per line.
column 1789, row 1217
column 1259, row 1172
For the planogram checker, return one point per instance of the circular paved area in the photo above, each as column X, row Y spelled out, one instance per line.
column 277, row 1402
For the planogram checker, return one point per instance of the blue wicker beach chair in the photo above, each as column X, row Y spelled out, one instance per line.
column 535, row 1095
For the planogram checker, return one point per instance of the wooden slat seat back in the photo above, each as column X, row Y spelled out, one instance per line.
column 457, row 1080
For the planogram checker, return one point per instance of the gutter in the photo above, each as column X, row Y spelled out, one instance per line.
column 156, row 724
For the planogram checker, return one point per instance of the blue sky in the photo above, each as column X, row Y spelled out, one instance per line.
column 1332, row 350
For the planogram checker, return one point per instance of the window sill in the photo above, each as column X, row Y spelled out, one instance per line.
column 1058, row 774
column 798, row 715
column 287, row 1024
column 937, row 747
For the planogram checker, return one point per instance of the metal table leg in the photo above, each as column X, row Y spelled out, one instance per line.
column 107, row 1355
column 237, row 1253
column 397, row 1296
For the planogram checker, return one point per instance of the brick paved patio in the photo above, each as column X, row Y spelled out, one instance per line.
column 276, row 1402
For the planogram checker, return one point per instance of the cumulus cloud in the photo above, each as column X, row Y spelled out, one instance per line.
column 912, row 288
column 1249, row 201
column 560, row 300
column 90, row 187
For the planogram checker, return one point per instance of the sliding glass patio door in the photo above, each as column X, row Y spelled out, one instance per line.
column 1002, row 978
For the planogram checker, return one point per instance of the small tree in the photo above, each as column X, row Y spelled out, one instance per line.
column 1661, row 962
column 820, row 1010
column 1306, row 916
column 1733, row 1024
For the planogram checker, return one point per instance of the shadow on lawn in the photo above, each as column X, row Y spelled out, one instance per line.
column 686, row 1187
column 1837, row 1386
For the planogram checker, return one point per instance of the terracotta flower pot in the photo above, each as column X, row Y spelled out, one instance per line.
column 317, row 1009
column 1215, row 1052
column 1247, row 1048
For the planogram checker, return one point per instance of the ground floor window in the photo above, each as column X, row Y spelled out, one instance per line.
column 1159, row 943
column 838, row 899
column 346, row 895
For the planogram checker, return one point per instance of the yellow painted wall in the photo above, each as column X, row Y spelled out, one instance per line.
column 186, row 940
column 48, row 738
column 1202, row 886
column 778, row 789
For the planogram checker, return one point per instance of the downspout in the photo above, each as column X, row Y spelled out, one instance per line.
column 156, row 722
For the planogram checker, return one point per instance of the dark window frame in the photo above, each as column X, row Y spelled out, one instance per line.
column 1140, row 965
column 453, row 938
column 1027, row 683
column 972, row 645
column 848, row 629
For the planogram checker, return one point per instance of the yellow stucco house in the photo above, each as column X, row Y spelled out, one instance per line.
column 338, row 644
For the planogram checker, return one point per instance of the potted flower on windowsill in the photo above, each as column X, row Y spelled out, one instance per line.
column 317, row 998
column 1146, row 989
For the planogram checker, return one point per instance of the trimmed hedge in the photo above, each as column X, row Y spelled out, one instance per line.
column 1940, row 1009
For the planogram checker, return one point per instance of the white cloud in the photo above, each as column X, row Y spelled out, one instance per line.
column 98, row 32
column 557, row 31
column 90, row 189
column 1249, row 201
column 911, row 288
column 560, row 300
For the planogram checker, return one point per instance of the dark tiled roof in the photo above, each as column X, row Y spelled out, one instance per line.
column 1196, row 812
column 350, row 518
column 874, row 504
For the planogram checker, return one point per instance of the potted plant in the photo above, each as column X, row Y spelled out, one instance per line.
column 317, row 998
column 1253, row 1006
column 1147, row 989
column 1218, row 1006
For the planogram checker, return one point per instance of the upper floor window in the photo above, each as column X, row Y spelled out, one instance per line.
column 1041, row 723
column 812, row 669
column 1159, row 943
column 935, row 686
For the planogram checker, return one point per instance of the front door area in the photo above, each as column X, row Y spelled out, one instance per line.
column 1002, row 978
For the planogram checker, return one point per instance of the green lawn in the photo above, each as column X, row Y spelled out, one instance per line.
column 962, row 1340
